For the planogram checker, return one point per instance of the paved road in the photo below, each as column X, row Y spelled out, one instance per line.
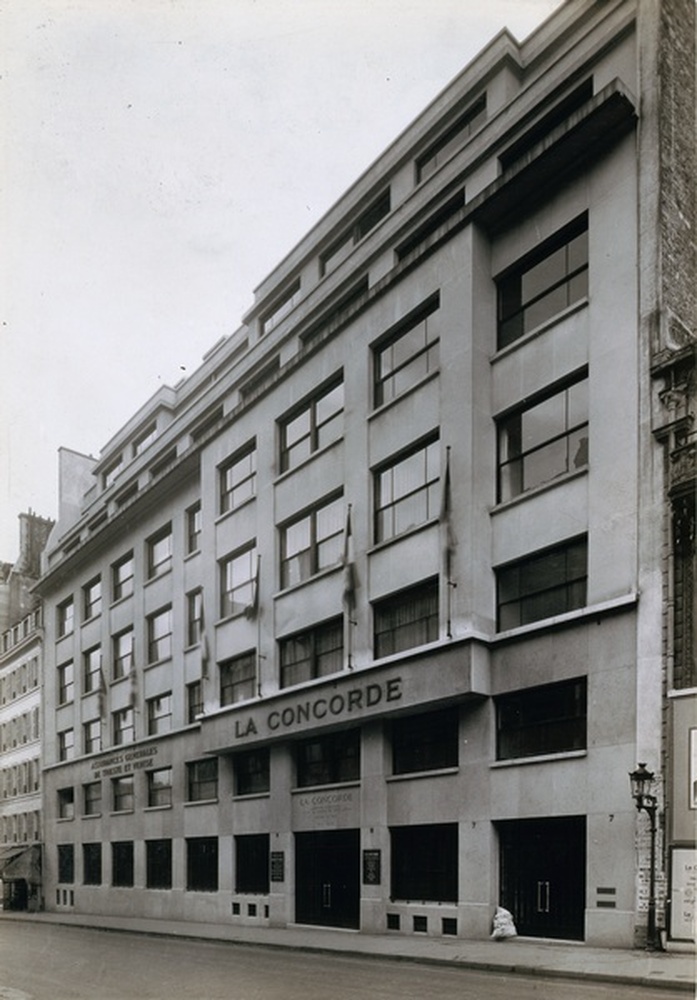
column 53, row 962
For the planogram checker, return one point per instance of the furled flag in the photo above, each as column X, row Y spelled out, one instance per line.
column 133, row 680
column 252, row 609
column 350, row 578
column 203, row 644
column 101, row 694
column 449, row 540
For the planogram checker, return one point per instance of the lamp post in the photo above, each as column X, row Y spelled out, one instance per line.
column 641, row 781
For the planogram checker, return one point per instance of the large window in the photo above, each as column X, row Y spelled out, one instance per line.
column 202, row 779
column 238, row 678
column 66, row 863
column 238, row 478
column 92, row 864
column 312, row 543
column 122, row 793
column 543, row 439
column 92, row 598
column 313, row 653
column 202, row 864
column 122, row 654
column 407, row 491
column 237, row 581
column 316, row 424
column 65, row 617
column 541, row 720
column 425, row 742
column 159, row 714
column 160, row 787
column 158, row 864
column 326, row 760
column 543, row 584
column 544, row 283
column 252, row 863
column 66, row 683
column 252, row 772
column 122, row 577
column 160, row 635
column 406, row 619
column 159, row 552
column 408, row 355
column 123, row 726
column 122, row 863
column 424, row 862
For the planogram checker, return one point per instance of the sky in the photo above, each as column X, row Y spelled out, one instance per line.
column 158, row 158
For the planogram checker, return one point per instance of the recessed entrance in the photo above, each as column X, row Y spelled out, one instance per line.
column 543, row 875
column 327, row 866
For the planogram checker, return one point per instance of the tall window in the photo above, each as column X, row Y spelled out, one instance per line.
column 159, row 714
column 123, row 726
column 238, row 678
column 252, row 772
column 159, row 552
column 311, row 427
column 122, row 868
column 194, row 523
column 65, row 617
column 66, row 744
column 92, row 598
column 327, row 760
column 406, row 619
column 92, row 864
column 424, row 862
column 194, row 700
column 407, row 491
column 91, row 663
column 408, row 355
column 237, row 581
column 202, row 864
column 544, row 283
column 66, row 803
column 313, row 653
column 541, row 720
column 122, row 793
column 122, row 577
column 160, row 635
column 543, row 584
column 312, row 543
column 202, row 779
column 66, row 863
column 238, row 478
column 66, row 683
column 160, row 787
column 92, row 735
column 194, row 616
column 92, row 798
column 252, row 863
column 122, row 654
column 543, row 439
column 425, row 742
column 158, row 864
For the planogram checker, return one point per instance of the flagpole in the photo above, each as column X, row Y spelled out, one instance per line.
column 349, row 584
column 448, row 543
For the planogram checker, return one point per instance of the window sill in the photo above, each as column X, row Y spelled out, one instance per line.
column 65, row 819
column 122, row 812
column 334, row 786
column 201, row 802
column 543, row 758
column 437, row 772
column 91, row 816
column 151, row 809
column 379, row 410
column 251, row 796
column 565, row 477
column 539, row 330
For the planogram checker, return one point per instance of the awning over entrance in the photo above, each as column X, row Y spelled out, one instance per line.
column 23, row 863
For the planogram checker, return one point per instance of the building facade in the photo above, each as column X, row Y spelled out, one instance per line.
column 365, row 623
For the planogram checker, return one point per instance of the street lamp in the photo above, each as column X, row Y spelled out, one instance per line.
column 641, row 781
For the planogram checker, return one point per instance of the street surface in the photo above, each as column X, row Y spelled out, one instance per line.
column 53, row 962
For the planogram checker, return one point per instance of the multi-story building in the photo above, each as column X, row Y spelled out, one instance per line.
column 365, row 623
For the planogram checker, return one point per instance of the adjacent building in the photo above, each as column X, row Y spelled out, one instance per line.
column 365, row 622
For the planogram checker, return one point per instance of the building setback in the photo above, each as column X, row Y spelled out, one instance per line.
column 365, row 622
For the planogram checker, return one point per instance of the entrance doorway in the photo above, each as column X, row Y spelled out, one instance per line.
column 543, row 875
column 327, row 890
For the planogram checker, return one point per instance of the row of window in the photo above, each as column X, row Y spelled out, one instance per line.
column 21, row 828
column 18, row 681
column 13, row 636
column 20, row 779
column 19, row 730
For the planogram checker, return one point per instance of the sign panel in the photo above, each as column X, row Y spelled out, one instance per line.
column 371, row 867
column 683, row 892
column 278, row 866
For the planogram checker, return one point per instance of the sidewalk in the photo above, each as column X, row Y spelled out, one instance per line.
column 670, row 970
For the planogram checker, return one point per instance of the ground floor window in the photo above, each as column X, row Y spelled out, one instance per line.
column 92, row 864
column 424, row 862
column 252, row 863
column 66, row 863
column 425, row 742
column 158, row 864
column 122, row 863
column 202, row 864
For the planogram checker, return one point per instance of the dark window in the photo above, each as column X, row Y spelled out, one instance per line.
column 158, row 864
column 326, row 760
column 451, row 140
column 66, row 683
column 160, row 635
column 544, row 283
column 202, row 779
column 66, row 863
column 159, row 714
column 122, row 793
column 425, row 742
column 238, row 581
column 407, row 619
column 202, row 864
column 543, row 439
column 316, row 652
column 424, row 862
column 312, row 543
column 252, row 863
column 159, row 552
column 92, row 798
column 122, row 863
column 92, row 598
column 252, row 774
column 66, row 803
column 543, row 584
column 194, row 617
column 92, row 864
column 122, row 577
column 123, row 725
column 407, row 491
column 122, row 654
column 541, row 720
column 193, row 528
column 92, row 735
column 160, row 787
column 65, row 617
column 407, row 355
column 316, row 424
column 238, row 678
column 238, row 479
column 194, row 700
column 558, row 114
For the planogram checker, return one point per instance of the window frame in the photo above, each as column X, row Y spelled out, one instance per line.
column 194, row 701
column 387, row 503
column 92, row 598
column 252, row 864
column 337, row 759
column 425, row 741
column 92, row 863
column 315, row 658
column 123, row 794
column 66, row 744
column 202, row 864
column 92, row 735
column 160, row 794
column 238, row 475
column 65, row 617
column 158, row 863
column 122, row 864
column 159, row 550
column 428, row 591
column 65, row 674
column 231, row 683
column 573, row 586
column 317, row 424
column 202, row 786
column 252, row 772
column 65, row 798
column 66, row 864
column 429, row 350
column 424, row 862
column 194, row 528
column 123, row 724
column 160, row 644
column 92, row 798
column 159, row 713
column 304, row 563
column 522, row 730
column 122, row 658
column 235, row 598
column 91, row 667
column 123, row 583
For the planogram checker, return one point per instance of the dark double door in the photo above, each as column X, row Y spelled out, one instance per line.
column 327, row 869
column 543, row 875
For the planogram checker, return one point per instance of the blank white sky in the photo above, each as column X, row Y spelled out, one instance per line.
column 159, row 158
